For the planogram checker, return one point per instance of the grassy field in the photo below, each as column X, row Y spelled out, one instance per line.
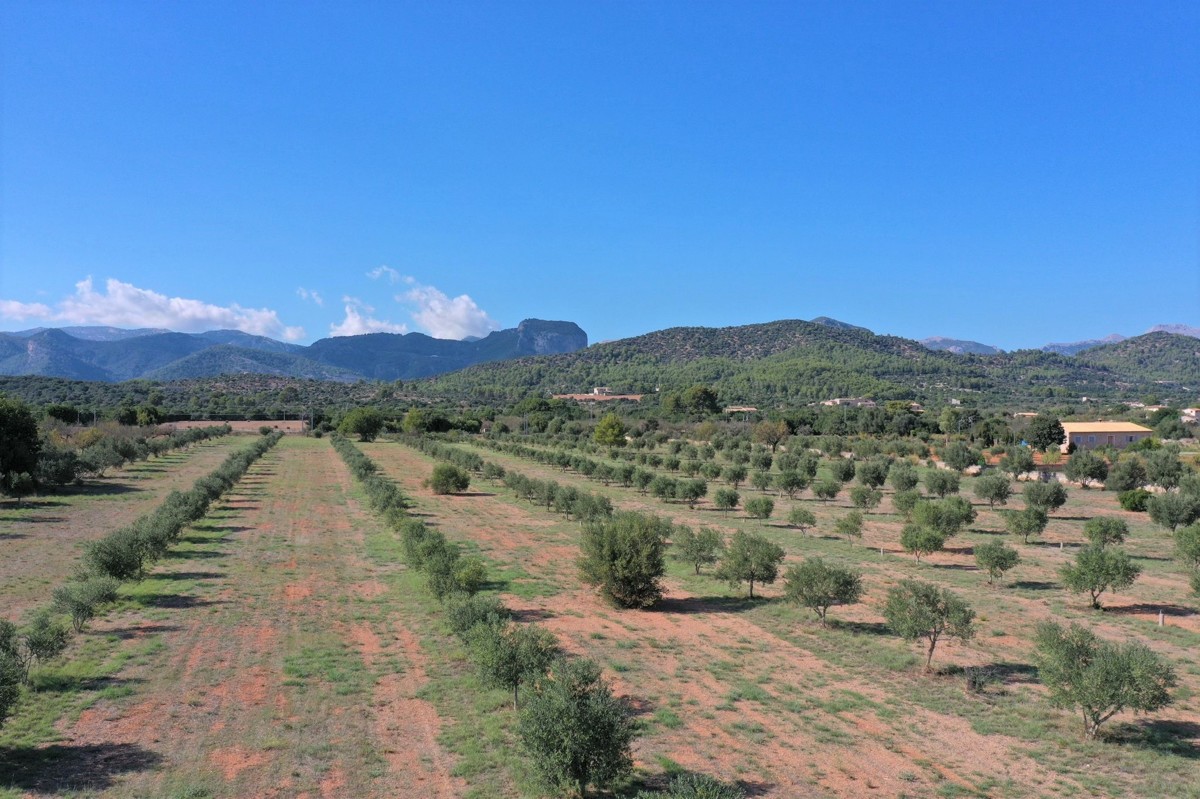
column 43, row 537
column 282, row 650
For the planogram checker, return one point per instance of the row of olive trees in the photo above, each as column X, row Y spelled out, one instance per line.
column 123, row 555
column 575, row 731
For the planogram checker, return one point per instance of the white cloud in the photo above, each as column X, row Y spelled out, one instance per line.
column 384, row 271
column 125, row 305
column 306, row 294
column 444, row 317
column 11, row 309
column 359, row 321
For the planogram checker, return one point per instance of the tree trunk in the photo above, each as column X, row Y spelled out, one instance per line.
column 752, row 588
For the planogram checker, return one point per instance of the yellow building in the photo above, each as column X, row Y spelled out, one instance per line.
column 1089, row 435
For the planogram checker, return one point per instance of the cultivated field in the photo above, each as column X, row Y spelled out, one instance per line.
column 283, row 650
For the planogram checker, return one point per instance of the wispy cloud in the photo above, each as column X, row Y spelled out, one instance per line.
column 125, row 305
column 384, row 272
column 444, row 317
column 359, row 321
column 310, row 296
column 11, row 309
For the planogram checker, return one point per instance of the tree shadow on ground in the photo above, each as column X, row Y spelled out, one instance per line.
column 141, row 631
column 859, row 627
column 62, row 769
column 12, row 536
column 175, row 601
column 189, row 575
column 94, row 489
column 197, row 554
column 531, row 614
column 1001, row 672
column 57, row 682
column 474, row 494
column 1175, row 611
column 658, row 783
column 196, row 539
column 707, row 604
column 1166, row 737
column 224, row 528
column 1034, row 585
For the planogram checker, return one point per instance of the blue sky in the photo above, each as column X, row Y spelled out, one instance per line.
column 1014, row 173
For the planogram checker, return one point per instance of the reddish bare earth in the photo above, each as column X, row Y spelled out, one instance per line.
column 41, row 542
column 759, row 693
column 281, row 673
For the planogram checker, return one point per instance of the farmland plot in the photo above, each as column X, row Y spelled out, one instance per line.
column 41, row 541
column 758, row 692
column 263, row 660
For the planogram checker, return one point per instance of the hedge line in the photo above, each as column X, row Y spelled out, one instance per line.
column 119, row 556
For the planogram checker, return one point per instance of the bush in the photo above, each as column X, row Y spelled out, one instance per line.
column 624, row 557
column 449, row 479
column 576, row 732
column 695, row 786
column 81, row 599
column 1135, row 499
column 760, row 507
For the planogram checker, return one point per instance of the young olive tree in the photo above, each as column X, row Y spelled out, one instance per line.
column 1098, row 569
column 696, row 548
column 575, row 731
column 624, row 557
column 750, row 558
column 1097, row 677
column 819, row 586
column 917, row 610
column 802, row 518
column 996, row 558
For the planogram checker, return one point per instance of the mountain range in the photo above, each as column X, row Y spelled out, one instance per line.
column 961, row 346
column 112, row 354
column 793, row 361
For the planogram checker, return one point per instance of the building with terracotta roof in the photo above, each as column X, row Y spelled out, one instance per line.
column 1089, row 435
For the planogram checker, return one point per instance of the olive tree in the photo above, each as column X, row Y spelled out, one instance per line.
column 760, row 507
column 1048, row 496
column 993, row 488
column 996, row 558
column 449, row 479
column 1105, row 530
column 511, row 655
column 1026, row 522
column 941, row 482
column 624, row 557
column 1084, row 467
column 850, row 525
column 750, row 558
column 696, row 548
column 1099, row 678
column 921, row 540
column 802, row 518
column 576, row 732
column 917, row 610
column 819, row 586
column 1098, row 569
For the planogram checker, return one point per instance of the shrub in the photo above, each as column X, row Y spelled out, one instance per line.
column 819, row 586
column 576, row 732
column 1135, row 499
column 80, row 599
column 1098, row 677
column 449, row 479
column 624, row 557
column 996, row 558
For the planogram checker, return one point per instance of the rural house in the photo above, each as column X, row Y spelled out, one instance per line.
column 1089, row 435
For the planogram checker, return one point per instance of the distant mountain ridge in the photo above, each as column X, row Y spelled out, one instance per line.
column 959, row 346
column 108, row 354
column 790, row 362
